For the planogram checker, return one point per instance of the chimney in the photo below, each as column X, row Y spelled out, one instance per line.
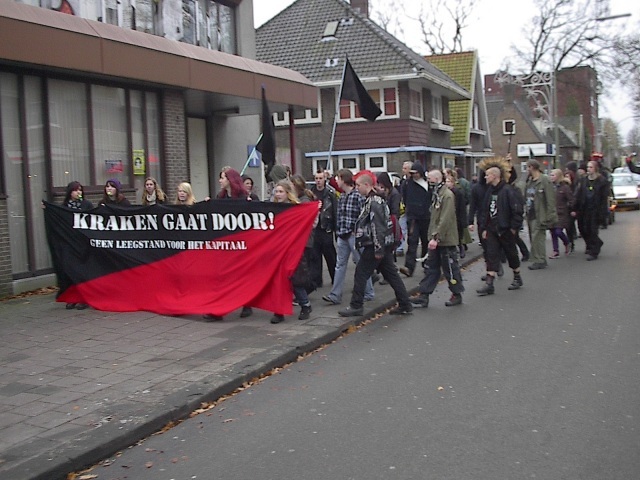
column 361, row 6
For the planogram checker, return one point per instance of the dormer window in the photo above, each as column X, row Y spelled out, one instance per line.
column 330, row 30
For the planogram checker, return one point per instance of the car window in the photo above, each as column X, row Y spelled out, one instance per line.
column 623, row 180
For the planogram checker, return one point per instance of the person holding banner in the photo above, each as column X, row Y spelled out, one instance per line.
column 285, row 192
column 231, row 188
column 152, row 192
column 112, row 194
column 74, row 199
column 185, row 195
column 248, row 185
column 232, row 185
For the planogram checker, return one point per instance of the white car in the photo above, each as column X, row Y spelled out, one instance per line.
column 625, row 190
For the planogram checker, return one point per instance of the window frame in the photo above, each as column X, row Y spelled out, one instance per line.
column 381, row 95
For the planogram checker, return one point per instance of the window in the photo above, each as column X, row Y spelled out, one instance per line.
column 508, row 127
column 308, row 116
column 415, row 105
column 376, row 162
column 321, row 164
column 112, row 158
column 436, row 103
column 69, row 130
column 222, row 27
column 386, row 98
column 350, row 163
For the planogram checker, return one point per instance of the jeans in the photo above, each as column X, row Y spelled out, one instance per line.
column 344, row 249
column 367, row 264
column 301, row 296
column 557, row 233
column 403, row 227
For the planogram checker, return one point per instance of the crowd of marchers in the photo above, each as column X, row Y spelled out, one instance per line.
column 366, row 218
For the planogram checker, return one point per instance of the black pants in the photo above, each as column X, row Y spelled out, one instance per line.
column 497, row 245
column 323, row 246
column 364, row 269
column 445, row 260
column 590, row 229
column 417, row 231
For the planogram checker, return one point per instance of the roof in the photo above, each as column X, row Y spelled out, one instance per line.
column 294, row 39
column 68, row 43
column 461, row 67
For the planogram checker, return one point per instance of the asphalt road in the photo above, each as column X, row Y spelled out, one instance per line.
column 537, row 383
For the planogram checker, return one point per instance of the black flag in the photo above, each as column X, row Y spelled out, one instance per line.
column 352, row 89
column 267, row 143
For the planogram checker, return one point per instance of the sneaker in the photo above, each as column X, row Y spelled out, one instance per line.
column 327, row 298
column 554, row 255
column 401, row 310
column 456, row 299
column 305, row 312
column 209, row 317
column 351, row 312
column 591, row 258
column 421, row 301
column 405, row 271
column 246, row 312
column 277, row 318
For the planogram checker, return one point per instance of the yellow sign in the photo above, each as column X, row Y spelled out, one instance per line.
column 138, row 162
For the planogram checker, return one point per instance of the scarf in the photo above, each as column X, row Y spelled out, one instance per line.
column 151, row 198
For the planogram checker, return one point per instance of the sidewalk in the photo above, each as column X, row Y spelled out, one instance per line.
column 76, row 386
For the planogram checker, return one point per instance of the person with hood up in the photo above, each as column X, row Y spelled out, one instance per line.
column 112, row 194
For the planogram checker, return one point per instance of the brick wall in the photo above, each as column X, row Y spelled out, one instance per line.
column 175, row 137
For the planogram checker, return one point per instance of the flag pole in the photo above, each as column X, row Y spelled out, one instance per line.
column 335, row 116
column 246, row 164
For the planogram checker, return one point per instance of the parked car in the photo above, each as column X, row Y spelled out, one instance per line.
column 625, row 190
column 626, row 170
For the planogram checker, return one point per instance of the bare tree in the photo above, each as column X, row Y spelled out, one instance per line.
column 441, row 22
column 565, row 34
column 627, row 63
column 611, row 141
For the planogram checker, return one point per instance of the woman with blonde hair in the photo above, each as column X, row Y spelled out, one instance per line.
column 564, row 205
column 285, row 192
column 185, row 195
column 152, row 192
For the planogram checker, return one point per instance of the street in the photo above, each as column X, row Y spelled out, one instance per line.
column 537, row 383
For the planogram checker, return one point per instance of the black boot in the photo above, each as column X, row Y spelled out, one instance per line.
column 456, row 299
column 488, row 289
column 304, row 312
column 517, row 282
column 422, row 301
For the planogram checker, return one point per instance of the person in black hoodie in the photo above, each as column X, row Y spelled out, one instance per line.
column 500, row 222
column 417, row 201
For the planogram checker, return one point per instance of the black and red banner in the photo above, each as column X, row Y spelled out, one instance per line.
column 213, row 257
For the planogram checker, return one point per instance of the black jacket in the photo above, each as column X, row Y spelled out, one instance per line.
column 374, row 226
column 510, row 208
